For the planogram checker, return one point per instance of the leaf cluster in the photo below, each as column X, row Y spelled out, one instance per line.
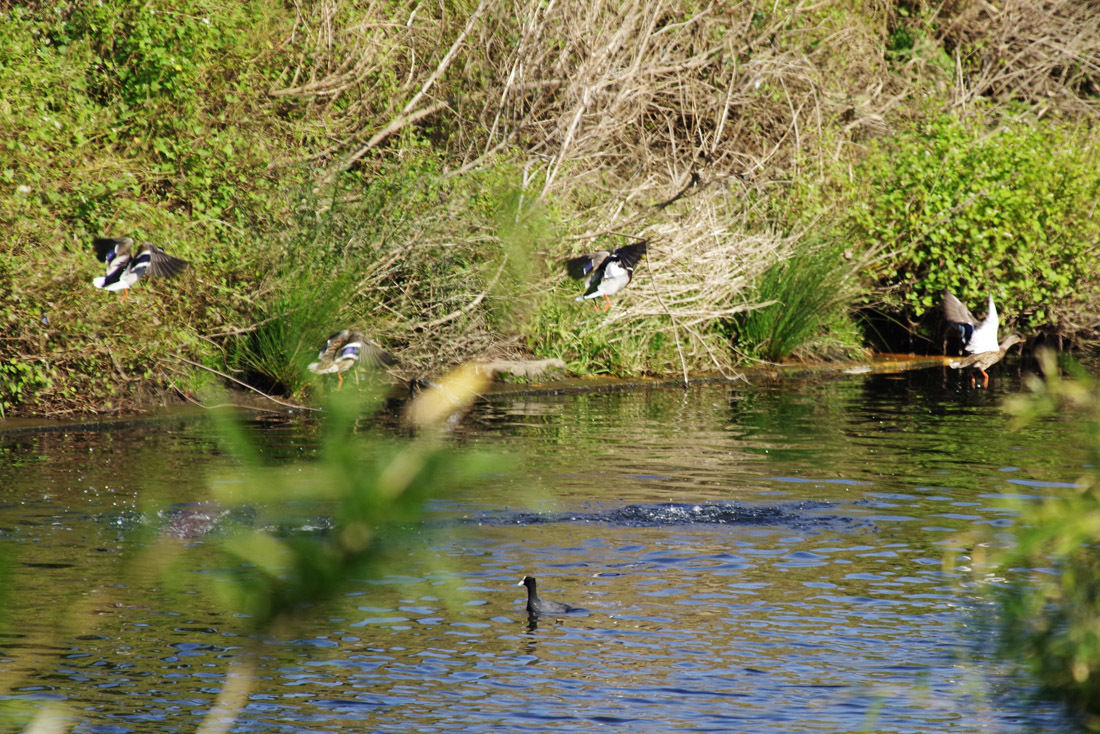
column 1008, row 210
column 1050, row 599
column 319, row 525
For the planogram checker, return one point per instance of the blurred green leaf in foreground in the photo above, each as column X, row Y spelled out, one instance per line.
column 1048, row 576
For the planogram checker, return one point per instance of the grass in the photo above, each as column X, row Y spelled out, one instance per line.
column 449, row 172
column 801, row 294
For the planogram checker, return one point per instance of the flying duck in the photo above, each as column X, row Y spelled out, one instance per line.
column 606, row 273
column 979, row 339
column 343, row 349
column 127, row 265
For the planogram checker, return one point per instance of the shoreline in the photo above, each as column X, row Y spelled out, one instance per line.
column 253, row 403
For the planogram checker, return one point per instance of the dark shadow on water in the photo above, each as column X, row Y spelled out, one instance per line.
column 799, row 515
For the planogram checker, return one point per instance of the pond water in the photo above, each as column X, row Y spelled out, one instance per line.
column 751, row 558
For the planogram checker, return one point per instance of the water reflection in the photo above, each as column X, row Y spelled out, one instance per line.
column 751, row 559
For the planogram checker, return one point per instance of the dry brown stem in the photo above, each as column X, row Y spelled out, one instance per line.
column 648, row 117
column 1046, row 53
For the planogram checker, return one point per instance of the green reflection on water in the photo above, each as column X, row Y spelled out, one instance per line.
column 914, row 458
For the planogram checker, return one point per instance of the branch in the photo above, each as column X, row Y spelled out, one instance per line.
column 472, row 304
column 243, row 384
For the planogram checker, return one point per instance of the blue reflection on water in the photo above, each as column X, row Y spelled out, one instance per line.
column 751, row 559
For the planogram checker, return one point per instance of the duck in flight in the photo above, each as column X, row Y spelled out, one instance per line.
column 605, row 273
column 978, row 338
column 127, row 265
column 344, row 349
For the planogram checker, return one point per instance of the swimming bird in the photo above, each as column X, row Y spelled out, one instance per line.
column 606, row 273
column 343, row 349
column 980, row 339
column 542, row 606
column 126, row 266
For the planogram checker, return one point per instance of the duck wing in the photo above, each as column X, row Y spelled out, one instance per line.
column 376, row 356
column 984, row 338
column 108, row 248
column 582, row 267
column 161, row 264
column 629, row 255
column 954, row 311
column 359, row 347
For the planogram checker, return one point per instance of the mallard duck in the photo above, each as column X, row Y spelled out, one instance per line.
column 343, row 349
column 535, row 605
column 606, row 273
column 126, row 266
column 980, row 339
column 984, row 360
column 976, row 337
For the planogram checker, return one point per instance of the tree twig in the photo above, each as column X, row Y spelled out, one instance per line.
column 472, row 304
column 243, row 384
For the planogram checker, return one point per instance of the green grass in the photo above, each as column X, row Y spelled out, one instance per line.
column 805, row 293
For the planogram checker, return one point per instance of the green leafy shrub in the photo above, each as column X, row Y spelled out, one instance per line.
column 18, row 381
column 1009, row 210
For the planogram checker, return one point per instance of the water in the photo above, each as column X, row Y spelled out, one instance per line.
column 751, row 559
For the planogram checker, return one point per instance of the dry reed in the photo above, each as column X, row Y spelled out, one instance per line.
column 655, row 118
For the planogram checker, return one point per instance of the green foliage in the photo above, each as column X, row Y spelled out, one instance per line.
column 268, row 146
column 804, row 293
column 156, row 94
column 912, row 36
column 1050, row 598
column 1008, row 210
column 135, row 118
column 18, row 382
column 279, row 563
column 589, row 343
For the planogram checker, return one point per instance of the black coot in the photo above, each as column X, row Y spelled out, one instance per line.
column 542, row 606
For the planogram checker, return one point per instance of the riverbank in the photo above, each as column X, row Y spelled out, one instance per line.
column 808, row 179
column 251, row 402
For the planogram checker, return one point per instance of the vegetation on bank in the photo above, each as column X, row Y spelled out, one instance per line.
column 421, row 170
